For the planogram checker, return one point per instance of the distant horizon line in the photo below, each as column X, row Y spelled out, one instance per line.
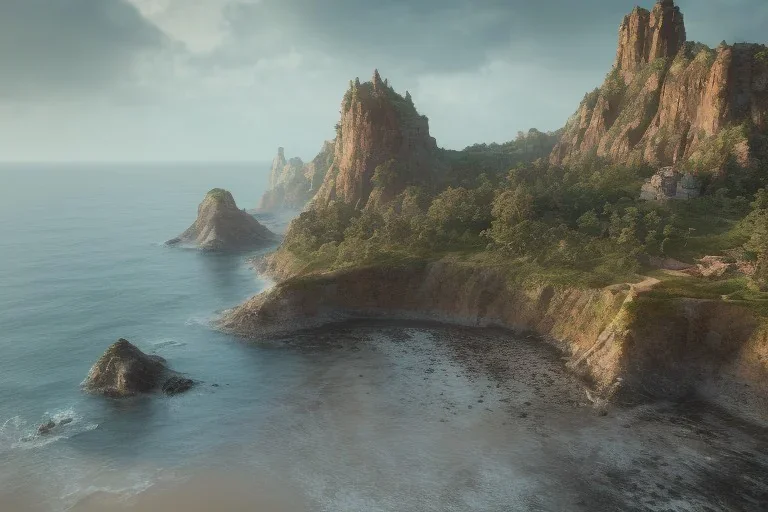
column 131, row 162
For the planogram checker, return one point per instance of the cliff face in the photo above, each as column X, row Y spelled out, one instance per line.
column 711, row 347
column 293, row 183
column 379, row 129
column 222, row 226
column 668, row 101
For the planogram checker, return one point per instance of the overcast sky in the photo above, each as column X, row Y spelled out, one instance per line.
column 231, row 80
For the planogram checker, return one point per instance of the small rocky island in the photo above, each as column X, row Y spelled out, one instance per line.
column 125, row 371
column 222, row 226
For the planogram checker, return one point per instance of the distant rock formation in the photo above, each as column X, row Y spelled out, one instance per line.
column 382, row 143
column 668, row 183
column 292, row 183
column 671, row 102
column 222, row 226
column 125, row 371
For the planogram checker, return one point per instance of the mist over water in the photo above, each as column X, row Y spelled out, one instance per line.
column 375, row 416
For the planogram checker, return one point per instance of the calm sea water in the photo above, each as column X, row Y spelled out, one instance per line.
column 81, row 265
column 371, row 416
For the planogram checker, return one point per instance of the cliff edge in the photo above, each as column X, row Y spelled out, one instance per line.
column 222, row 226
column 713, row 348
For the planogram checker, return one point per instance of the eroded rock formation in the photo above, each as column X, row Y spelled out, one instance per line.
column 382, row 142
column 293, row 183
column 668, row 101
column 125, row 371
column 222, row 226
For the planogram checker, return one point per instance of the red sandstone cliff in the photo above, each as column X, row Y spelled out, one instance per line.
column 379, row 129
column 668, row 101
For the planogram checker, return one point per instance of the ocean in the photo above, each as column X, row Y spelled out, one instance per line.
column 367, row 416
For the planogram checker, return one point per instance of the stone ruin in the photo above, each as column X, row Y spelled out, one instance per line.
column 669, row 183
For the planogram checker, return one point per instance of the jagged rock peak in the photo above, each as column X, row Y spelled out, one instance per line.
column 645, row 36
column 222, row 226
column 378, row 126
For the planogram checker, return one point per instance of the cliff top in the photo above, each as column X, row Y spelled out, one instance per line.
column 221, row 196
column 376, row 90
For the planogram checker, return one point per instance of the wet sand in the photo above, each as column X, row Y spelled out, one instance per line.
column 422, row 417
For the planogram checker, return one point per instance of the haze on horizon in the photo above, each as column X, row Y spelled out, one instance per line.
column 231, row 80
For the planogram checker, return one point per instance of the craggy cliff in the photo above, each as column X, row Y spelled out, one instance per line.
column 668, row 101
column 382, row 142
column 711, row 347
column 293, row 183
column 222, row 226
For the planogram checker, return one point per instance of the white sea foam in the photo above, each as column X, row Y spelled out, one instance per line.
column 18, row 433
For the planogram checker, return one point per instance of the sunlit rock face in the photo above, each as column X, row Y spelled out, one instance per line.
column 379, row 130
column 668, row 101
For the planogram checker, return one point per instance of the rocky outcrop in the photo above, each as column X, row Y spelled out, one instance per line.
column 668, row 183
column 671, row 102
column 691, row 345
column 293, row 183
column 222, row 226
column 125, row 371
column 382, row 143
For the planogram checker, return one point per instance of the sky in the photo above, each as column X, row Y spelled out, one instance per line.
column 231, row 80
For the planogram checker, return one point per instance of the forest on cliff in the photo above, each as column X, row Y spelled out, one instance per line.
column 565, row 207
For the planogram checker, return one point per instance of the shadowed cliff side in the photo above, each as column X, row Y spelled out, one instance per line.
column 672, row 102
column 222, row 226
column 689, row 346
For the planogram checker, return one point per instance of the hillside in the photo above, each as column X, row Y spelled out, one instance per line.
column 668, row 101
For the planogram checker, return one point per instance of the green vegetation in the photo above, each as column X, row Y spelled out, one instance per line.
column 219, row 194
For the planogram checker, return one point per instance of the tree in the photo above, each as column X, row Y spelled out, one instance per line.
column 589, row 223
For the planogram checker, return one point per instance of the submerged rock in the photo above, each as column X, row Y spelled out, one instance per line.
column 45, row 428
column 124, row 371
column 177, row 384
column 222, row 226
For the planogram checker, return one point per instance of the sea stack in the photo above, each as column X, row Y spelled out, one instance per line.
column 125, row 371
column 222, row 226
column 382, row 146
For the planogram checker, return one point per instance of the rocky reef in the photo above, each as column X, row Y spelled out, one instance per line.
column 222, row 226
column 616, row 337
column 292, row 183
column 668, row 101
column 382, row 146
column 125, row 371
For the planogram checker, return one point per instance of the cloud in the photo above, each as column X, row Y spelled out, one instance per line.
column 425, row 35
column 54, row 49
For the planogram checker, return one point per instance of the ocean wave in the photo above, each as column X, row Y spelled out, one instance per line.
column 18, row 433
column 205, row 320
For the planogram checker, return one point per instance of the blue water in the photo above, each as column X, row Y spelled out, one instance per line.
column 373, row 416
column 82, row 263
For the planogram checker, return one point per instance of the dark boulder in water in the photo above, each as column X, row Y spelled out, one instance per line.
column 45, row 428
column 177, row 384
column 125, row 371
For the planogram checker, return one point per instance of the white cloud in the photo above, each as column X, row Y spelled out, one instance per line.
column 201, row 25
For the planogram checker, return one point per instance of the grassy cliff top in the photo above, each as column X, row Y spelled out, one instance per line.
column 219, row 194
